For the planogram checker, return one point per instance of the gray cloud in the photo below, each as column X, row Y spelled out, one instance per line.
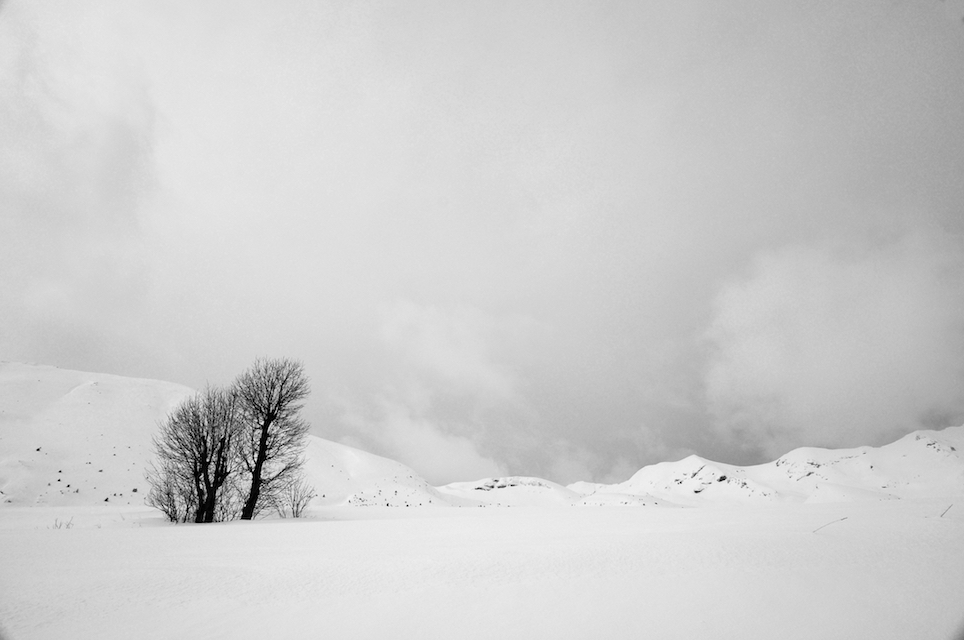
column 439, row 400
column 840, row 346
column 75, row 161
column 494, row 234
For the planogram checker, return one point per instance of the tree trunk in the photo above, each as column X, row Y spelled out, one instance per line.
column 248, row 511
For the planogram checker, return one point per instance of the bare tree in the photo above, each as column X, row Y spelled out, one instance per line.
column 172, row 490
column 271, row 393
column 295, row 498
column 198, row 459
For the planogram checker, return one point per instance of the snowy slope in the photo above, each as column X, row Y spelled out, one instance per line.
column 74, row 438
column 344, row 475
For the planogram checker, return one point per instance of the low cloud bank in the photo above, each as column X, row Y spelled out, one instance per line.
column 439, row 399
column 840, row 346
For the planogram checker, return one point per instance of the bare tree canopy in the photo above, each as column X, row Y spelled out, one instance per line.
column 271, row 394
column 197, row 458
column 236, row 452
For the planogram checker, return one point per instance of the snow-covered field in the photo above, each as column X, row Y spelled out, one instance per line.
column 890, row 570
column 861, row 543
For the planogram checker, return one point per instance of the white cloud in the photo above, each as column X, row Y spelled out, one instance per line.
column 439, row 456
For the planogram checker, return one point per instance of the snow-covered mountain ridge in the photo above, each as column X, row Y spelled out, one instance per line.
column 69, row 438
column 922, row 464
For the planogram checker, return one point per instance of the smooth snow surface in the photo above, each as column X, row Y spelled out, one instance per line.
column 857, row 543
column 890, row 570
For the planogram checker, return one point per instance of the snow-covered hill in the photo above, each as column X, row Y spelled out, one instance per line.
column 70, row 438
column 512, row 491
column 344, row 475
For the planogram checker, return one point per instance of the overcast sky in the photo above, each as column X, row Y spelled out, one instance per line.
column 562, row 239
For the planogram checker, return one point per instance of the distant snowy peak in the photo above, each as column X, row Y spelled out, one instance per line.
column 919, row 465
column 947, row 441
column 691, row 481
column 510, row 491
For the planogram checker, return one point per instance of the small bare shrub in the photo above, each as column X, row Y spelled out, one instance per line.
column 295, row 498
